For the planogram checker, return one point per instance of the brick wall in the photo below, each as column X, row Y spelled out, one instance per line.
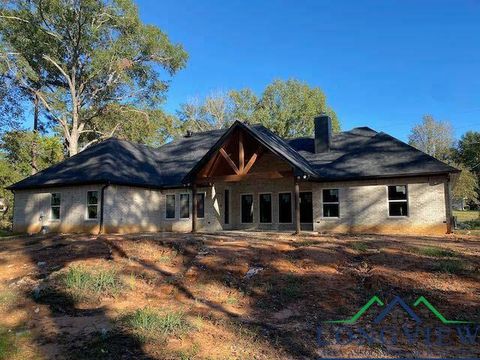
column 363, row 208
column 32, row 210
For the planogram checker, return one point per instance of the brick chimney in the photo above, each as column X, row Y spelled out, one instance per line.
column 323, row 133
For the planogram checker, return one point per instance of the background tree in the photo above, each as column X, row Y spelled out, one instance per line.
column 15, row 160
column 466, row 186
column 285, row 107
column 433, row 137
column 146, row 126
column 91, row 53
column 15, row 146
column 289, row 107
column 244, row 104
column 468, row 151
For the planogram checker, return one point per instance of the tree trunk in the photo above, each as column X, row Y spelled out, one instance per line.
column 73, row 142
column 34, row 169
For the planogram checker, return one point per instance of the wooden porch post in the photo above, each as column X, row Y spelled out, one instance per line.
column 297, row 206
column 194, row 207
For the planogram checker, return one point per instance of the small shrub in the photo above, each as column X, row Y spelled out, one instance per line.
column 147, row 322
column 83, row 283
column 359, row 246
column 434, row 252
column 472, row 224
column 450, row 266
column 232, row 300
column 167, row 258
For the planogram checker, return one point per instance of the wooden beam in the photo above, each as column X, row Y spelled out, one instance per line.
column 297, row 206
column 229, row 161
column 241, row 153
column 256, row 175
column 256, row 155
column 194, row 208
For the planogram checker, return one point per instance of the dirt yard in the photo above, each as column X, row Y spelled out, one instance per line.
column 227, row 296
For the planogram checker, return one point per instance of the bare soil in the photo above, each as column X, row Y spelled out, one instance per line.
column 294, row 285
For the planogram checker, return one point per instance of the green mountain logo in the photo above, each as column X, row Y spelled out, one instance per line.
column 375, row 300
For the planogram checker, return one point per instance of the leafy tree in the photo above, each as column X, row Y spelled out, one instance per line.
column 15, row 147
column 10, row 109
column 433, row 137
column 8, row 176
column 286, row 107
column 289, row 107
column 149, row 126
column 244, row 104
column 15, row 159
column 87, row 55
column 192, row 117
column 468, row 151
column 466, row 186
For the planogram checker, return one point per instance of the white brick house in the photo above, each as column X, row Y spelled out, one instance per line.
column 244, row 177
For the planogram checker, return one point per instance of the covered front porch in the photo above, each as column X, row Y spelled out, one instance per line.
column 254, row 185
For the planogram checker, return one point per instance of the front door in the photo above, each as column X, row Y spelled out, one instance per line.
column 306, row 211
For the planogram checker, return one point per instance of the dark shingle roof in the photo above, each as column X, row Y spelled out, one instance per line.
column 358, row 153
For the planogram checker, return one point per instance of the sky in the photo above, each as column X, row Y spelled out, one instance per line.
column 381, row 63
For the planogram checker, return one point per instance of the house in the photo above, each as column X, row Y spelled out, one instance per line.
column 244, row 177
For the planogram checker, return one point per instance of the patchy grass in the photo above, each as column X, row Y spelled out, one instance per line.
column 83, row 283
column 149, row 323
column 8, row 347
column 288, row 288
column 7, row 298
column 434, row 252
column 304, row 243
column 359, row 246
column 168, row 257
column 450, row 266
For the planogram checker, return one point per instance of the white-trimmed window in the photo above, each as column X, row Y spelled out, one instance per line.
column 92, row 205
column 265, row 207
column 398, row 200
column 184, row 206
column 200, row 205
column 246, row 203
column 170, row 206
column 331, row 203
column 55, row 203
column 285, row 208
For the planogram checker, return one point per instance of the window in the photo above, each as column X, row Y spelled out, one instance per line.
column 247, row 208
column 226, row 203
column 55, row 201
column 331, row 203
column 265, row 208
column 92, row 204
column 200, row 205
column 184, row 206
column 397, row 200
column 170, row 207
column 285, row 208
